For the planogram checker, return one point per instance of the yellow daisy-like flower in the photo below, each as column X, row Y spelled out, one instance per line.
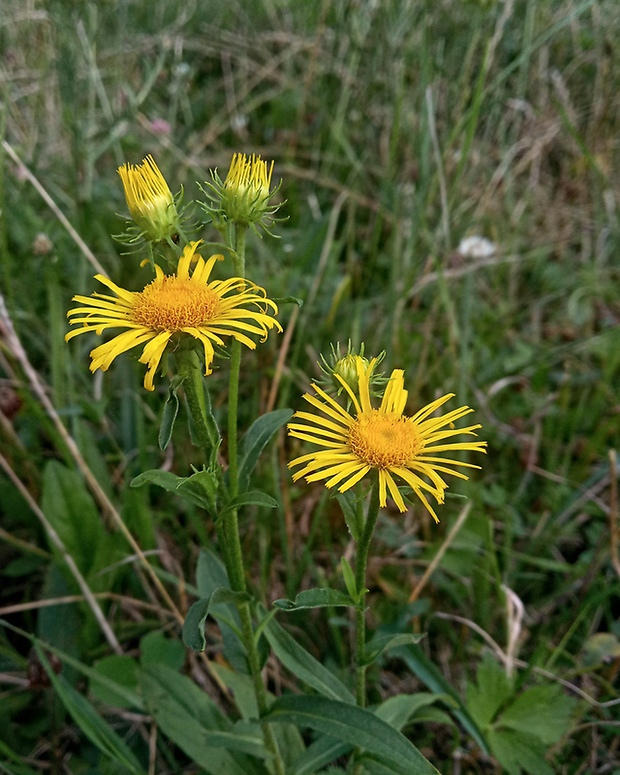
column 149, row 200
column 172, row 305
column 382, row 439
column 246, row 190
column 249, row 173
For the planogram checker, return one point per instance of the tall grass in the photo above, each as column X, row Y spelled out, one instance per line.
column 398, row 128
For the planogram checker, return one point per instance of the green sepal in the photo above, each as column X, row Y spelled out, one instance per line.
column 194, row 624
column 374, row 648
column 170, row 412
column 316, row 598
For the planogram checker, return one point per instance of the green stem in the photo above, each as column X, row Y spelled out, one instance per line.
column 259, row 686
column 361, row 562
column 189, row 367
column 231, row 522
column 235, row 364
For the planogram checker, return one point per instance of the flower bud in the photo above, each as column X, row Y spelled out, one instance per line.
column 150, row 201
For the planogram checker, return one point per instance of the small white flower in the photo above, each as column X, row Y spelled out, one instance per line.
column 476, row 247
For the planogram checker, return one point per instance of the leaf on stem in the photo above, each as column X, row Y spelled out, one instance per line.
column 194, row 624
column 357, row 726
column 303, row 665
column 255, row 440
column 316, row 598
column 200, row 488
column 381, row 643
column 170, row 412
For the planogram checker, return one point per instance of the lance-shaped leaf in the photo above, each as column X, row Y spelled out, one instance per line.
column 357, row 726
column 316, row 598
column 302, row 664
column 194, row 624
column 254, row 441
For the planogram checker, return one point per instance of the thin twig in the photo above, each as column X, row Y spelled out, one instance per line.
column 613, row 512
column 34, row 605
column 55, row 209
column 442, row 550
column 520, row 663
column 515, row 612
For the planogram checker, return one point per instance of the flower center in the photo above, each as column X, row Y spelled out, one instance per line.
column 384, row 440
column 171, row 304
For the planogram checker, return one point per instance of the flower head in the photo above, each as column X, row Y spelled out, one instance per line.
column 337, row 367
column 171, row 306
column 149, row 200
column 244, row 197
column 384, row 440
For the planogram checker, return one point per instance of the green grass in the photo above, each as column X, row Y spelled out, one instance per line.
column 397, row 129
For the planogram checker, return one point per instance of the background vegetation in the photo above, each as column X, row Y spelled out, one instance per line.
column 397, row 128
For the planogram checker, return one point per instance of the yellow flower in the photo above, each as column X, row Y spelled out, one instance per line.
column 249, row 176
column 384, row 440
column 149, row 200
column 172, row 305
column 245, row 194
column 345, row 370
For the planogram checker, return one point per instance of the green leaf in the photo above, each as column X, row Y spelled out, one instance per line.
column 374, row 765
column 241, row 688
column 245, row 737
column 516, row 751
column 348, row 505
column 398, row 710
column 289, row 300
column 200, row 488
column 20, row 768
column 318, row 754
column 418, row 662
column 165, row 479
column 129, row 696
column 316, row 598
column 302, row 664
column 357, row 726
column 170, row 412
column 381, row 643
column 118, row 670
column 190, row 718
column 74, row 516
column 194, row 624
column 254, row 441
column 157, row 649
column 492, row 690
column 252, row 498
column 542, row 711
column 349, row 579
column 96, row 729
column 211, row 574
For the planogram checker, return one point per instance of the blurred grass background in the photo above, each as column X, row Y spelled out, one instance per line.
column 398, row 128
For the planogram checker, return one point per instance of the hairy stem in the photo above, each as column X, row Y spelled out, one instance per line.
column 361, row 562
